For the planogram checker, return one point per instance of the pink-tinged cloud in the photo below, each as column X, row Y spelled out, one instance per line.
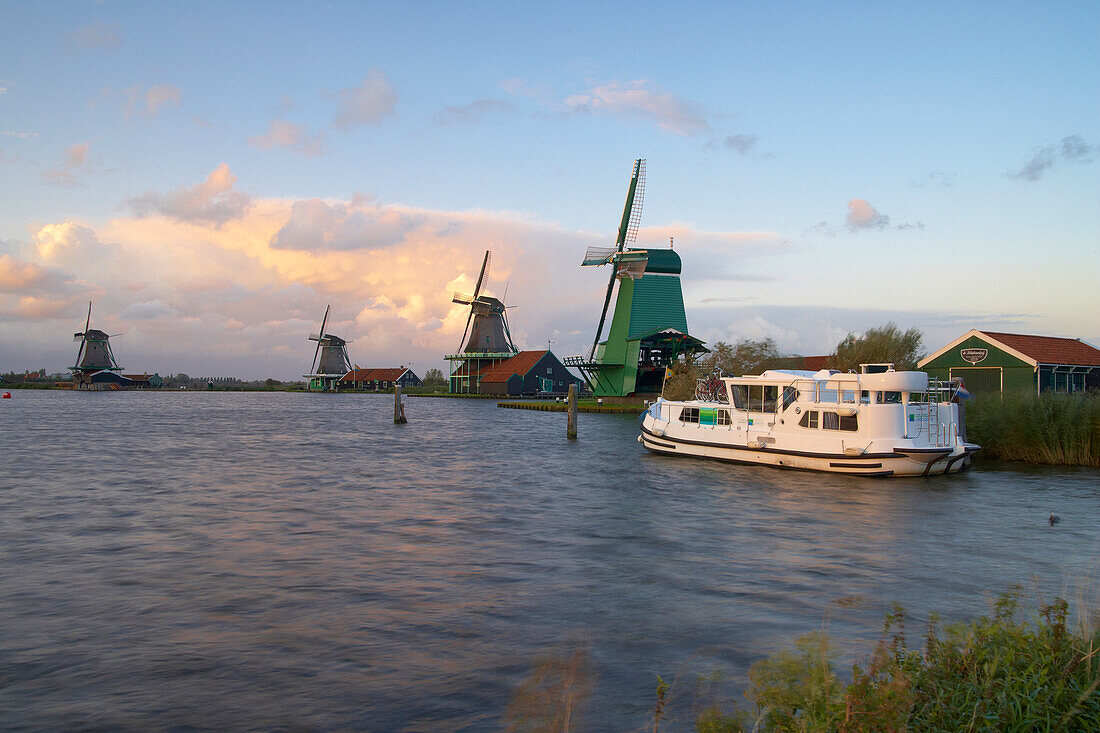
column 636, row 100
column 76, row 155
column 317, row 225
column 367, row 104
column 65, row 174
column 58, row 241
column 17, row 275
column 289, row 136
column 212, row 202
column 149, row 102
column 861, row 215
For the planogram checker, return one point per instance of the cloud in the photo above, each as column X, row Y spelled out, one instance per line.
column 637, row 100
column 140, row 101
column 57, row 241
column 861, row 215
column 148, row 310
column 317, row 225
column 1072, row 149
column 367, row 104
column 473, row 112
column 65, row 174
column 96, row 35
column 289, row 136
column 17, row 275
column 22, row 134
column 738, row 143
column 212, row 202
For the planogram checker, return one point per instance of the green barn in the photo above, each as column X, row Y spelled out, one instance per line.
column 990, row 361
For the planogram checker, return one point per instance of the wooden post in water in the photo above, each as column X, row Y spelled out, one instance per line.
column 571, row 423
column 398, row 408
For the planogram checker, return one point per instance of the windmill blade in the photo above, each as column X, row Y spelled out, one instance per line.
column 632, row 210
column 603, row 314
column 88, row 322
column 320, row 335
column 481, row 275
column 462, row 298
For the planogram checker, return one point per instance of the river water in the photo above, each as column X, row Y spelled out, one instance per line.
column 297, row 561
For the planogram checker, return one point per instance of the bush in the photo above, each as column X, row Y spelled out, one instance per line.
column 879, row 345
column 1057, row 429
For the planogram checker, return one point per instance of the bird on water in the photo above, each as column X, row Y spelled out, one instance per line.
column 1054, row 520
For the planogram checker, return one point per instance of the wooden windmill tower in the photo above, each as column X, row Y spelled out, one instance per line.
column 330, row 359
column 486, row 339
column 94, row 356
column 649, row 326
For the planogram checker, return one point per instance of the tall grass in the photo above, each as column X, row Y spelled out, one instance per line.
column 1057, row 429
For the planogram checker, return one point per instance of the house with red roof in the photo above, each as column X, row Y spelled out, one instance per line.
column 379, row 379
column 992, row 361
column 528, row 372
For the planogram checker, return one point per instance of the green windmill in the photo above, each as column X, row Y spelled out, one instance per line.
column 649, row 326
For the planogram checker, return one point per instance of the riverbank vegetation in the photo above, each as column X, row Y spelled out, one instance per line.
column 1002, row 671
column 1053, row 429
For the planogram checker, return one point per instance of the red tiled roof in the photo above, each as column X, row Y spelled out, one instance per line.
column 370, row 375
column 814, row 363
column 519, row 364
column 1049, row 349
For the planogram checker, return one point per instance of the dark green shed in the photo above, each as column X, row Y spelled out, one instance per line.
column 990, row 361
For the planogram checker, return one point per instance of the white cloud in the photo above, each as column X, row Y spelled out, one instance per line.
column 289, row 136
column 637, row 100
column 22, row 134
column 316, row 225
column 367, row 104
column 212, row 202
column 57, row 241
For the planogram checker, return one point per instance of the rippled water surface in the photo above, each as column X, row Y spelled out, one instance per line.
column 275, row 560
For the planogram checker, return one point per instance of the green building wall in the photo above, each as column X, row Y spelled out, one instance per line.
column 1012, row 374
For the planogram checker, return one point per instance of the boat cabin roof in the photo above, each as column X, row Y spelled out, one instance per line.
column 831, row 379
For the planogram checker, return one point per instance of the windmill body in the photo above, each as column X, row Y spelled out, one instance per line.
column 649, row 324
column 330, row 359
column 95, row 366
column 486, row 340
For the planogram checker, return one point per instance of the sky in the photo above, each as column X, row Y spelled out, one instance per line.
column 213, row 175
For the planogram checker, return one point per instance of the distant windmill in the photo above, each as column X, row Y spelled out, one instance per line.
column 648, row 330
column 489, row 317
column 486, row 340
column 94, row 354
column 330, row 358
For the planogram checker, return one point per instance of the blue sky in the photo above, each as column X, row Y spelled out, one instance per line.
column 213, row 175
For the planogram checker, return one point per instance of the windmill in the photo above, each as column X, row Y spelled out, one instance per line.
column 486, row 340
column 94, row 354
column 649, row 327
column 330, row 358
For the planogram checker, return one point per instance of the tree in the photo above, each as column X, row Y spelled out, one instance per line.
column 747, row 357
column 885, row 344
column 433, row 377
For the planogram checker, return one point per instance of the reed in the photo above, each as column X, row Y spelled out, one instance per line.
column 1055, row 429
column 999, row 672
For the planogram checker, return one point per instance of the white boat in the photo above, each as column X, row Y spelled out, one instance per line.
column 879, row 422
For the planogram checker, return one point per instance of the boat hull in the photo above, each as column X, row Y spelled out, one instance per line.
column 899, row 462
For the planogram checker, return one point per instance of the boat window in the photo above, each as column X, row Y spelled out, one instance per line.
column 689, row 414
column 865, row 397
column 708, row 416
column 826, row 395
column 724, row 417
column 756, row 398
column 739, row 395
column 893, row 398
column 849, row 422
column 809, row 419
column 830, row 421
column 790, row 394
column 848, row 395
column 771, row 394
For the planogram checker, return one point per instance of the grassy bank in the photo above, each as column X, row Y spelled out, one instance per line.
column 1003, row 671
column 1055, row 429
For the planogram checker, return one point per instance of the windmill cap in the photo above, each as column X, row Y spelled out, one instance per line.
column 664, row 261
